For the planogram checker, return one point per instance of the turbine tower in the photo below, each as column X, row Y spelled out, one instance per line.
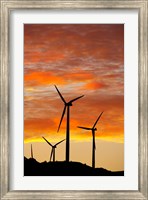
column 67, row 106
column 93, row 129
column 52, row 155
column 31, row 151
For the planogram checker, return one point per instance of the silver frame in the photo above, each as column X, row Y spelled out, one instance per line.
column 142, row 7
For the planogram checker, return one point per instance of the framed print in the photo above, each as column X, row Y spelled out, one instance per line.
column 74, row 100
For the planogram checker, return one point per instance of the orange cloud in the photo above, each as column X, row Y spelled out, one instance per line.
column 37, row 56
column 38, row 124
column 94, row 85
column 60, row 42
column 42, row 78
column 39, row 78
column 79, row 76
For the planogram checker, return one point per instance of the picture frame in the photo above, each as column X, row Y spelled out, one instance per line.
column 142, row 7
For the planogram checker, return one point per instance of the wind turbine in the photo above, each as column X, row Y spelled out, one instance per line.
column 66, row 106
column 53, row 148
column 31, row 152
column 93, row 129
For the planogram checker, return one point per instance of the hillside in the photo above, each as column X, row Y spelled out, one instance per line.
column 62, row 168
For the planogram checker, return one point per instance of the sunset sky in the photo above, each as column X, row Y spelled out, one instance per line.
column 80, row 59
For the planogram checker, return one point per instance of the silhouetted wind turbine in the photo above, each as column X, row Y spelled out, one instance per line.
column 31, row 151
column 93, row 129
column 67, row 105
column 53, row 148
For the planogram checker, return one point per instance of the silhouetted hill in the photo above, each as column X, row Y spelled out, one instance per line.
column 62, row 168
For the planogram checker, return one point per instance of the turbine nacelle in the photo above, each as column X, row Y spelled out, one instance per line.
column 68, row 104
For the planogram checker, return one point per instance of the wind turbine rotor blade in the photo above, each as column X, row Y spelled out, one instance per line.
column 47, row 142
column 97, row 120
column 51, row 154
column 61, row 118
column 75, row 99
column 60, row 94
column 59, row 142
column 84, row 128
